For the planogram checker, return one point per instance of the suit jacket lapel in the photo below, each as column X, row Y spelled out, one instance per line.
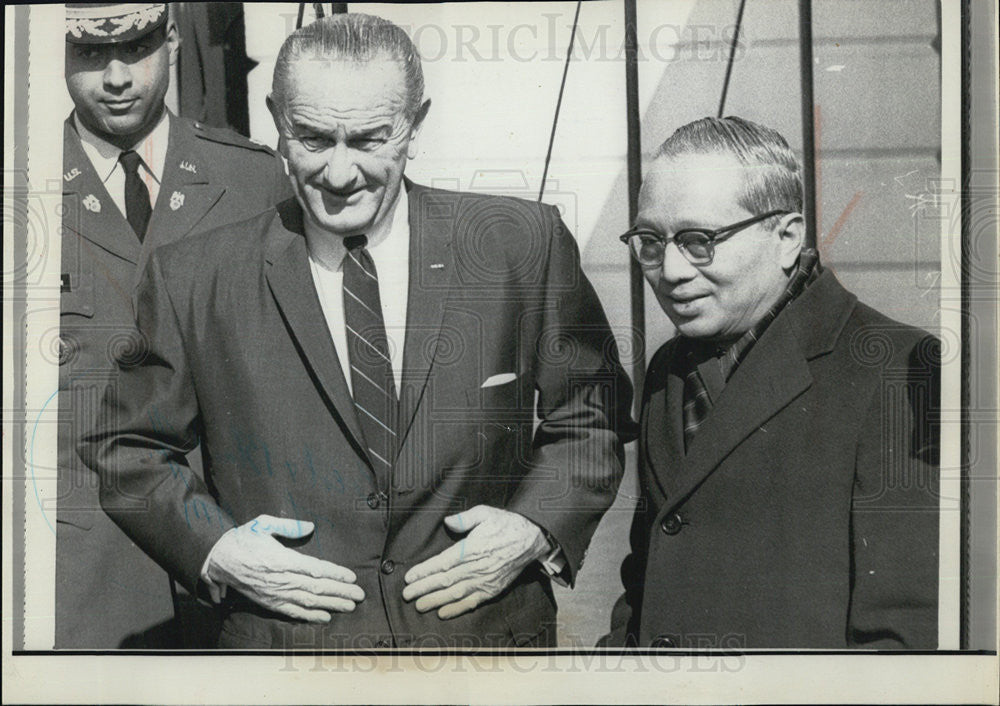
column 89, row 210
column 773, row 374
column 290, row 281
column 186, row 192
column 431, row 275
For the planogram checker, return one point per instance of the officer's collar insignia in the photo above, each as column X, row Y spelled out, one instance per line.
column 71, row 174
column 176, row 200
column 91, row 203
column 188, row 167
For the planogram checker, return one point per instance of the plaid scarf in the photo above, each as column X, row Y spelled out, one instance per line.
column 697, row 402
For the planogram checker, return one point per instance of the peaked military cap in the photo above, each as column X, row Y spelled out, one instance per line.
column 112, row 23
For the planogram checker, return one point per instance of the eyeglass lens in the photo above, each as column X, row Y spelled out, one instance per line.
column 649, row 250
column 697, row 246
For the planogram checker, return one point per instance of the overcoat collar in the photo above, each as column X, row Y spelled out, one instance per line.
column 772, row 375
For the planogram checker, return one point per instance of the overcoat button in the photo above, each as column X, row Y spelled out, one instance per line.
column 374, row 501
column 383, row 643
column 388, row 566
column 662, row 641
column 671, row 524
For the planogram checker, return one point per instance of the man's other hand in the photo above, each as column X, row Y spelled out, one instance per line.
column 249, row 559
column 498, row 547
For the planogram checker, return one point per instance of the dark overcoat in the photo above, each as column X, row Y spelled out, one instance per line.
column 805, row 513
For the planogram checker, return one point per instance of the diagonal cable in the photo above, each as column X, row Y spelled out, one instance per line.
column 732, row 55
column 562, row 87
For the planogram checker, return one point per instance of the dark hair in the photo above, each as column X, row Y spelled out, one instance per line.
column 355, row 37
column 773, row 177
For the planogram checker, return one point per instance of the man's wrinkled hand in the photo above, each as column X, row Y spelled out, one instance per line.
column 250, row 560
column 480, row 566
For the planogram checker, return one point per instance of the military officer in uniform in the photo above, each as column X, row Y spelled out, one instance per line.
column 135, row 177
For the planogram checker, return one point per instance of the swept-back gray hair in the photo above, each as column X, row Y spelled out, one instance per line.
column 353, row 37
column 773, row 176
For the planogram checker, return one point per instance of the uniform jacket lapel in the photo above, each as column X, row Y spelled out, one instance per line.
column 431, row 274
column 186, row 191
column 290, row 281
column 88, row 208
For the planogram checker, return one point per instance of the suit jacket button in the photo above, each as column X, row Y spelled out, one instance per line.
column 671, row 524
column 383, row 643
column 388, row 566
column 662, row 641
column 374, row 500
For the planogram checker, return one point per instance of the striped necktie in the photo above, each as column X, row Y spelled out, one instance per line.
column 697, row 404
column 371, row 367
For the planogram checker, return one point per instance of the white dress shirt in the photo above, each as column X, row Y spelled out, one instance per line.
column 389, row 247
column 104, row 156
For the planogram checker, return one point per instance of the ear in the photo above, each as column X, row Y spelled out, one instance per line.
column 275, row 110
column 418, row 123
column 173, row 41
column 791, row 230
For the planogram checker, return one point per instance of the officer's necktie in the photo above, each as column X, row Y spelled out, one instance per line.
column 371, row 368
column 137, row 206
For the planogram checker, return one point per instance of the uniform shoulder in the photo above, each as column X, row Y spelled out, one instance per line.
column 224, row 136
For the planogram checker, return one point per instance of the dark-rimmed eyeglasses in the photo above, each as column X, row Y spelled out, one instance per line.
column 696, row 244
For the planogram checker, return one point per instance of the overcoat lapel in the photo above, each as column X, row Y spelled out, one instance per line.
column 290, row 281
column 663, row 421
column 432, row 273
column 186, row 192
column 88, row 209
column 773, row 374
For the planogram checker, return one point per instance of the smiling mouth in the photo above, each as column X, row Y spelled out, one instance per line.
column 343, row 195
column 120, row 104
column 686, row 299
column 686, row 306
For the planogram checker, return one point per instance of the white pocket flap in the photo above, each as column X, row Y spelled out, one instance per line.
column 499, row 379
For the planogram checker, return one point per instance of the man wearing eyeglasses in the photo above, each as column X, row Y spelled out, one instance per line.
column 788, row 464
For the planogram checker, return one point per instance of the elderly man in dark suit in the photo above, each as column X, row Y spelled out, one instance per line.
column 364, row 365
column 788, row 454
column 134, row 177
